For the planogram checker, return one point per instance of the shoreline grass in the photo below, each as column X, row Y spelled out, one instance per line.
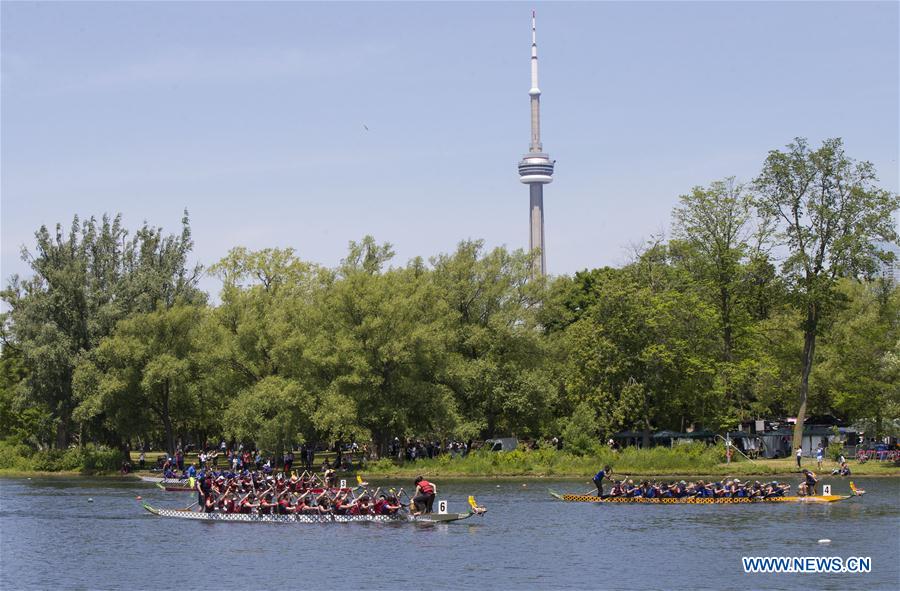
column 689, row 461
column 655, row 462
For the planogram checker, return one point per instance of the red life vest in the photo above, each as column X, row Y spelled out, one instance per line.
column 427, row 487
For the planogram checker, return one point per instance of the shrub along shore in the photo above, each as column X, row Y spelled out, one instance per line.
column 629, row 462
column 693, row 461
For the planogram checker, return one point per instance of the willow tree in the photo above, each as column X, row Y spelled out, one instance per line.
column 83, row 282
column 381, row 343
column 497, row 361
column 264, row 327
column 147, row 372
column 830, row 214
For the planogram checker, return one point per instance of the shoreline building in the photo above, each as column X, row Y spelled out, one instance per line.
column 890, row 271
column 536, row 168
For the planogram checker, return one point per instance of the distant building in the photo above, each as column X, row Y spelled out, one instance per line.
column 890, row 271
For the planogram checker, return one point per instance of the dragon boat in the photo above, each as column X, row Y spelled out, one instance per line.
column 169, row 484
column 175, row 486
column 153, row 479
column 575, row 498
column 323, row 518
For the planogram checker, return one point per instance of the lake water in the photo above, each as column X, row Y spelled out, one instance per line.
column 51, row 537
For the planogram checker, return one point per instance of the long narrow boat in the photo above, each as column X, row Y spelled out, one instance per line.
column 152, row 478
column 697, row 500
column 324, row 518
column 175, row 486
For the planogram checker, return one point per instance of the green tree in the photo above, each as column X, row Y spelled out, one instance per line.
column 146, row 372
column 263, row 326
column 497, row 357
column 715, row 221
column 855, row 372
column 829, row 214
column 381, row 346
column 640, row 353
column 274, row 413
column 84, row 282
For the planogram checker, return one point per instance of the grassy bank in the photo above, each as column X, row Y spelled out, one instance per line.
column 692, row 460
column 19, row 459
column 631, row 461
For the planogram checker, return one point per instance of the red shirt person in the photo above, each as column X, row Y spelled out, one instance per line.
column 423, row 499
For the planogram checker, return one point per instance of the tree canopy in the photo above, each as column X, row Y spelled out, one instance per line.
column 109, row 340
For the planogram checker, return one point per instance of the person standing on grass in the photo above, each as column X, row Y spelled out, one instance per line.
column 799, row 455
column 820, row 453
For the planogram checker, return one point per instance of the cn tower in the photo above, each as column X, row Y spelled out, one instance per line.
column 536, row 168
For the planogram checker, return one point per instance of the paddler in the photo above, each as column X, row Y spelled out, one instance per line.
column 598, row 479
column 811, row 481
column 423, row 498
column 329, row 477
column 387, row 505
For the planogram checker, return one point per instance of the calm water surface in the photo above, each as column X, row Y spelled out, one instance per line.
column 51, row 537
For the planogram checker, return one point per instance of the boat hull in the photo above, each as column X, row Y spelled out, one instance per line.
column 325, row 518
column 151, row 478
column 174, row 487
column 696, row 500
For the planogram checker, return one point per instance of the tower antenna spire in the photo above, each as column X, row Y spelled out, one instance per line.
column 536, row 168
column 535, row 91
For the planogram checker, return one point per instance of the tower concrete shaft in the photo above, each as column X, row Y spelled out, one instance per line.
column 536, row 222
column 536, row 168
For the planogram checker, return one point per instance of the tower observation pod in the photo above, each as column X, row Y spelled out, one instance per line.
column 536, row 168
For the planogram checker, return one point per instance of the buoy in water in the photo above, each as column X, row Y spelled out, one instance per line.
column 824, row 541
column 498, row 486
column 137, row 498
column 90, row 500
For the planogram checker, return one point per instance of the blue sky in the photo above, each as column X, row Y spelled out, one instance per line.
column 253, row 116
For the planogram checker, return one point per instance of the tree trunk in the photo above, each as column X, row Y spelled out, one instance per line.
column 169, row 434
column 645, row 434
column 125, row 450
column 62, row 433
column 809, row 349
column 167, row 420
column 727, row 338
column 727, row 343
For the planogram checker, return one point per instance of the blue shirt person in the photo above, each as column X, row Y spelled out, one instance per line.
column 598, row 479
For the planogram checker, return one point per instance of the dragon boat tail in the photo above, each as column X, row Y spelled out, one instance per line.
column 575, row 498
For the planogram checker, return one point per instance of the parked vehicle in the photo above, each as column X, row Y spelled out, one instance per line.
column 502, row 444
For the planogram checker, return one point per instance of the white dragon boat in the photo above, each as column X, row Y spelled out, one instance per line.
column 305, row 518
